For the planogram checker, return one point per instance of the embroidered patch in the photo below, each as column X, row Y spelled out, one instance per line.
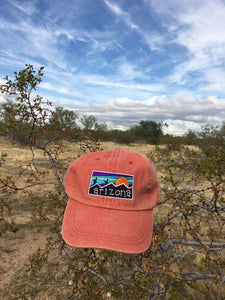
column 112, row 185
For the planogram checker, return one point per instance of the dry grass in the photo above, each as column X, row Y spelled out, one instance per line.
column 18, row 157
column 16, row 247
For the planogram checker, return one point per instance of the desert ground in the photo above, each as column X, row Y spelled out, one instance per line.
column 19, row 244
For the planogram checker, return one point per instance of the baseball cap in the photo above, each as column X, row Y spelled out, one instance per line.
column 112, row 194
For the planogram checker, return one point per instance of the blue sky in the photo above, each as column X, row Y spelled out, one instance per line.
column 123, row 61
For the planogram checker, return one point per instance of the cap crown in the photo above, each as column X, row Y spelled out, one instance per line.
column 117, row 179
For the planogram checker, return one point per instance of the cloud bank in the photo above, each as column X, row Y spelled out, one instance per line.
column 181, row 113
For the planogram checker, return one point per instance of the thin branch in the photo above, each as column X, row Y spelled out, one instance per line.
column 193, row 244
column 220, row 287
column 17, row 189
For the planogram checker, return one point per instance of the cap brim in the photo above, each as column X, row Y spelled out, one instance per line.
column 118, row 230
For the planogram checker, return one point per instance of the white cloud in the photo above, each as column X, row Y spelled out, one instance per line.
column 215, row 78
column 26, row 7
column 100, row 80
column 203, row 26
column 35, row 41
column 199, row 27
column 182, row 113
column 127, row 70
column 152, row 38
column 63, row 90
column 49, row 42
column 1, row 95
column 115, row 8
column 119, row 12
column 2, row 81
column 178, row 127
column 1, row 98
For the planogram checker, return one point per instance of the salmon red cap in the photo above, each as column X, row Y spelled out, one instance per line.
column 112, row 194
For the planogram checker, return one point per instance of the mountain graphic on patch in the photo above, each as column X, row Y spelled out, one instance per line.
column 113, row 185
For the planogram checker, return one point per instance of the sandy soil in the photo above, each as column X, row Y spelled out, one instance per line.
column 16, row 247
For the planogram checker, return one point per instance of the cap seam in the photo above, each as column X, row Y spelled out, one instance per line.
column 109, row 208
column 104, row 235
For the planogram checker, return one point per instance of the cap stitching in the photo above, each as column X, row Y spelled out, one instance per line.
column 105, row 235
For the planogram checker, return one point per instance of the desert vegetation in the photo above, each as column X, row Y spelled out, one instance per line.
column 38, row 142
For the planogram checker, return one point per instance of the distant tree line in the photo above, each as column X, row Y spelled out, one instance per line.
column 68, row 123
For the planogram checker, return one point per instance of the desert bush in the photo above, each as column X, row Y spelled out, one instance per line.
column 186, row 257
column 211, row 139
column 150, row 131
column 12, row 126
column 190, row 137
column 122, row 137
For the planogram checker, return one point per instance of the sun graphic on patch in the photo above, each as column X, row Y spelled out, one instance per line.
column 122, row 180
